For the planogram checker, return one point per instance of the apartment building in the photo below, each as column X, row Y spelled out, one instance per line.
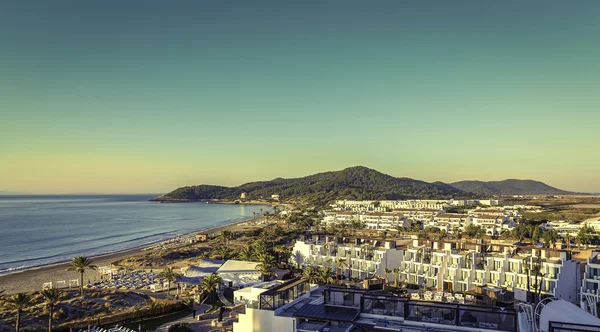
column 294, row 307
column 449, row 221
column 563, row 228
column 384, row 221
column 493, row 225
column 444, row 267
column 590, row 284
column 363, row 258
column 340, row 217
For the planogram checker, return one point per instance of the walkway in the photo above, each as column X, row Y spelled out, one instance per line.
column 199, row 326
column 224, row 300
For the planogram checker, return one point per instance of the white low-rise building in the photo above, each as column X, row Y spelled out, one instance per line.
column 362, row 258
column 239, row 273
column 590, row 284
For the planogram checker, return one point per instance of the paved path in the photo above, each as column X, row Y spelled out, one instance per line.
column 195, row 324
column 224, row 300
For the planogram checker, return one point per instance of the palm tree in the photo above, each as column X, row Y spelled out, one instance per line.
column 210, row 283
column 225, row 236
column 169, row 275
column 259, row 247
column 52, row 298
column 18, row 302
column 386, row 271
column 340, row 263
column 223, row 252
column 80, row 264
column 153, row 305
column 396, row 271
column 266, row 265
column 325, row 275
column 283, row 254
column 246, row 253
column 311, row 274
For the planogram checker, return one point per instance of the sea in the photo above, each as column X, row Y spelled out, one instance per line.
column 41, row 230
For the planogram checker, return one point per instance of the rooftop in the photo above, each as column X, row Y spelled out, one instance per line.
column 235, row 266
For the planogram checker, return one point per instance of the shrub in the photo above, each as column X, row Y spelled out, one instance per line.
column 180, row 327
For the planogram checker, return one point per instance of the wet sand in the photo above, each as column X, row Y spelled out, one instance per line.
column 33, row 279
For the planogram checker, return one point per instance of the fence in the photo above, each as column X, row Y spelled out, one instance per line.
column 121, row 318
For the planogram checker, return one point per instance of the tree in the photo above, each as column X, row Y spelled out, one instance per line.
column 18, row 302
column 325, row 275
column 537, row 234
column 311, row 274
column 180, row 327
column 266, row 264
column 223, row 252
column 585, row 235
column 396, row 271
column 226, row 236
column 80, row 264
column 246, row 253
column 550, row 237
column 210, row 283
column 536, row 270
column 340, row 263
column 387, row 271
column 169, row 275
column 259, row 246
column 52, row 298
column 526, row 267
column 284, row 254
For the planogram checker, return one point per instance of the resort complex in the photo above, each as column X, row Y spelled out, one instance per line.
column 415, row 265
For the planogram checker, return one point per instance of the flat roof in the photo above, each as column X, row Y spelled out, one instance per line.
column 235, row 266
column 325, row 312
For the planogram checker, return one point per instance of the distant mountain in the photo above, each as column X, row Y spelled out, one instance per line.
column 509, row 187
column 351, row 183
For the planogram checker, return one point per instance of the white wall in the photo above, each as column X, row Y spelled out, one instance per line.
column 569, row 282
column 300, row 252
column 256, row 320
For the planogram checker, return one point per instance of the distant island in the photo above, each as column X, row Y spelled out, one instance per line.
column 354, row 183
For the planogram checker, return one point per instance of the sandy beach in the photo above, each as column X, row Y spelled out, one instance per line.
column 32, row 279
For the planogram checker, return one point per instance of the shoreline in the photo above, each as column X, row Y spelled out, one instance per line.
column 23, row 280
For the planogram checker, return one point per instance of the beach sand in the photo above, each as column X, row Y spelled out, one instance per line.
column 33, row 279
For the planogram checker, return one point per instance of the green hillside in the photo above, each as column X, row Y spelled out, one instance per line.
column 351, row 183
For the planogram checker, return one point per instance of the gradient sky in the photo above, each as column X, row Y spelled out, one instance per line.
column 146, row 96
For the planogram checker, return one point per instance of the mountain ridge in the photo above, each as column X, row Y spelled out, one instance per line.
column 509, row 187
column 356, row 182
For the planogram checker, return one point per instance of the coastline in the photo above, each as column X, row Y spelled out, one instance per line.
column 31, row 279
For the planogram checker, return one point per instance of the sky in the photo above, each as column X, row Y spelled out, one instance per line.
column 147, row 96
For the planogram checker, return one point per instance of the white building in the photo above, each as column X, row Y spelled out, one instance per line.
column 239, row 273
column 493, row 224
column 448, row 221
column 563, row 228
column 590, row 285
column 363, row 258
column 445, row 268
column 292, row 307
column 383, row 221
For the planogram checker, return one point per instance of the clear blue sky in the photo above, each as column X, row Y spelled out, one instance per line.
column 145, row 96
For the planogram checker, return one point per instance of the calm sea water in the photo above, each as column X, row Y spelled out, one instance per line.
column 38, row 230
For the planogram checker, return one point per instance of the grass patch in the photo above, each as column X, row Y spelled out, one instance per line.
column 215, row 303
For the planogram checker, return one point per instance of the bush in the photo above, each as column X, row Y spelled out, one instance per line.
column 180, row 327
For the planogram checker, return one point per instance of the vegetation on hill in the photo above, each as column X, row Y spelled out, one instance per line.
column 509, row 187
column 358, row 182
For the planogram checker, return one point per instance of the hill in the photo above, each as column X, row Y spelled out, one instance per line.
column 351, row 183
column 509, row 187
